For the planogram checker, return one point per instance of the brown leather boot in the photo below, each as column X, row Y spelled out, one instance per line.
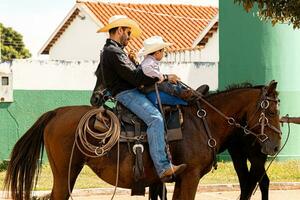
column 172, row 170
column 203, row 89
column 186, row 95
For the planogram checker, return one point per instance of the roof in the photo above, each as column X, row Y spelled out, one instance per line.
column 178, row 24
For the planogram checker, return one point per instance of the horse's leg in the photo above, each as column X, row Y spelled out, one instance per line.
column 186, row 185
column 60, row 169
column 264, row 187
column 239, row 161
column 60, row 183
column 257, row 171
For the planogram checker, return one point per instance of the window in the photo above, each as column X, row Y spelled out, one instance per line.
column 5, row 80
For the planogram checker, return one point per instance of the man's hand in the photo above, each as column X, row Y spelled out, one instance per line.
column 173, row 78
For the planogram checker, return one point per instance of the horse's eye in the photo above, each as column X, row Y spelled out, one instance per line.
column 273, row 113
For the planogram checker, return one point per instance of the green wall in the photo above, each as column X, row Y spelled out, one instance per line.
column 28, row 105
column 255, row 51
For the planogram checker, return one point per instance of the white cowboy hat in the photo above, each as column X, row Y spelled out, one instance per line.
column 122, row 21
column 153, row 44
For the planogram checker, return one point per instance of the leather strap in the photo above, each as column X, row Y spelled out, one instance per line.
column 211, row 141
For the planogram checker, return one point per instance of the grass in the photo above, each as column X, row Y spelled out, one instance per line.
column 280, row 171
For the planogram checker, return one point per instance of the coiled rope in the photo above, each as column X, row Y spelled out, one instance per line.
column 106, row 140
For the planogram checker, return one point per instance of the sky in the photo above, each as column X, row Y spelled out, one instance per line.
column 36, row 20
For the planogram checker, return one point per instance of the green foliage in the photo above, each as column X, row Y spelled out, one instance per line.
column 3, row 165
column 278, row 11
column 12, row 45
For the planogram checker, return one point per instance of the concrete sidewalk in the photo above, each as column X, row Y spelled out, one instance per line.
column 225, row 195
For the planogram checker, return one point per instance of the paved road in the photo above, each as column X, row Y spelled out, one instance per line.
column 232, row 195
column 286, row 191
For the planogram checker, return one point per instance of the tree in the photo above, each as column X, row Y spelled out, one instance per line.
column 12, row 45
column 276, row 10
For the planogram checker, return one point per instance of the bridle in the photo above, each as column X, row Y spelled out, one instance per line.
column 263, row 121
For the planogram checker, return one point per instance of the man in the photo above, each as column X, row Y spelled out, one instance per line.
column 122, row 78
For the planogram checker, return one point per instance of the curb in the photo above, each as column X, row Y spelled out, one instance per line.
column 201, row 188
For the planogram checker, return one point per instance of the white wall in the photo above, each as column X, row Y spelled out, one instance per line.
column 211, row 51
column 79, row 41
column 53, row 75
column 194, row 74
column 79, row 75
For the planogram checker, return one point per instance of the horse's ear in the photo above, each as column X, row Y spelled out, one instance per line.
column 272, row 87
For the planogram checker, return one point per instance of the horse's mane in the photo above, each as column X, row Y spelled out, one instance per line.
column 232, row 87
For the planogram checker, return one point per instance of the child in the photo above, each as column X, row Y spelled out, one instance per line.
column 170, row 93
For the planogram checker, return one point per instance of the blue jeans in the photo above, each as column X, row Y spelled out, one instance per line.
column 165, row 98
column 140, row 105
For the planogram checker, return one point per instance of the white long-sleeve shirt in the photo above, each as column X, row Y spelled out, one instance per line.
column 150, row 67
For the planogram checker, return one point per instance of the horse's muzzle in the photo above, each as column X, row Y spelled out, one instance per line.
column 270, row 149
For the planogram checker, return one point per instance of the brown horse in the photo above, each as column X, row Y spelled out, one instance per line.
column 255, row 106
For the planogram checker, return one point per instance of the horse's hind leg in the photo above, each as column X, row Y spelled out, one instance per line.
column 61, row 181
column 60, row 169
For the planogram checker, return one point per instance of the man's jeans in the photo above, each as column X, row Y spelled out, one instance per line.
column 139, row 104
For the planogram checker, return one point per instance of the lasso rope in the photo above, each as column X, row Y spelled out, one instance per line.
column 83, row 130
column 106, row 140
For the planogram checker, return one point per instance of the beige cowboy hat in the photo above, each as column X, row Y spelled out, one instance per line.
column 153, row 44
column 122, row 21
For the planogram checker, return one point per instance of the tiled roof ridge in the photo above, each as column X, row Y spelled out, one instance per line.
column 121, row 3
column 158, row 13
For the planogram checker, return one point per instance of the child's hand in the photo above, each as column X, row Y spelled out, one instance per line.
column 173, row 78
column 132, row 56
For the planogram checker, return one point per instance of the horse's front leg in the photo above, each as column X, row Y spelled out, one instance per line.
column 186, row 185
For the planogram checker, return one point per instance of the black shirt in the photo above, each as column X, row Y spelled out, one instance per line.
column 119, row 73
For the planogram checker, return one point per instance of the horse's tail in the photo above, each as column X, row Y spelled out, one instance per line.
column 24, row 163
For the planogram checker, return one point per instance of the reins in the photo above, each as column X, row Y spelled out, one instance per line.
column 231, row 121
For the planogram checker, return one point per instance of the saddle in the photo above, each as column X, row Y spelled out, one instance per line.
column 133, row 128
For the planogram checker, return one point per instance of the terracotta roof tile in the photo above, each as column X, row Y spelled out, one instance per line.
column 179, row 24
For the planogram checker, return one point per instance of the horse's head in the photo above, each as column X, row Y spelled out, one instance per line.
column 263, row 120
